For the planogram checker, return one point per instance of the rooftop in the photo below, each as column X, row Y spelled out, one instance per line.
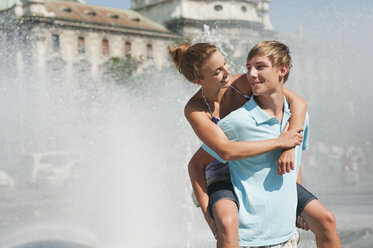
column 79, row 11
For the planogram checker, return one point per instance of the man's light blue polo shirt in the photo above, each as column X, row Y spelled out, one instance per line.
column 267, row 201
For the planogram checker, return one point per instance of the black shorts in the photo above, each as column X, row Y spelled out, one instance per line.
column 218, row 191
column 304, row 197
column 224, row 190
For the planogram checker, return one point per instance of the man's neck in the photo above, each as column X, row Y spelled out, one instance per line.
column 272, row 104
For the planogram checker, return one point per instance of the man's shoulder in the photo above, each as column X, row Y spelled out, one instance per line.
column 238, row 113
column 306, row 124
column 238, row 119
column 306, row 120
column 305, row 144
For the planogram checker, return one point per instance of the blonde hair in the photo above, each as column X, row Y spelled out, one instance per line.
column 190, row 58
column 276, row 51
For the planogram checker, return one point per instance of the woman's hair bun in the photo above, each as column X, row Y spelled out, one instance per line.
column 177, row 54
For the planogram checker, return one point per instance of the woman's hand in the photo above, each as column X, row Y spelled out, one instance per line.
column 212, row 225
column 286, row 161
column 301, row 223
column 290, row 138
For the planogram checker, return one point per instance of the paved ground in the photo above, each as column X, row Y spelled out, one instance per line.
column 352, row 205
column 353, row 208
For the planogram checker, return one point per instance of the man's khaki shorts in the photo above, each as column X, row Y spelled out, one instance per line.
column 291, row 243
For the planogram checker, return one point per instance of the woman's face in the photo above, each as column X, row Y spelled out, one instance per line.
column 215, row 72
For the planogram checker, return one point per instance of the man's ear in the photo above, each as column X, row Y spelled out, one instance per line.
column 283, row 70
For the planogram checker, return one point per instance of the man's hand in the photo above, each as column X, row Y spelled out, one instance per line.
column 286, row 161
column 212, row 225
column 301, row 223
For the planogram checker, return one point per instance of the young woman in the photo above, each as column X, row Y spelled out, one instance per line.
column 220, row 94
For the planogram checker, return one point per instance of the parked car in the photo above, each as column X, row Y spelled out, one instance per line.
column 56, row 174
column 5, row 180
column 48, row 167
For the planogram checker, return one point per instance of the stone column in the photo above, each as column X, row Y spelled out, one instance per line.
column 35, row 7
column 18, row 10
column 39, row 52
column 68, row 48
column 265, row 11
column 93, row 45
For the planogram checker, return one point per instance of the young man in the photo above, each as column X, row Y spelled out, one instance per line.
column 267, row 201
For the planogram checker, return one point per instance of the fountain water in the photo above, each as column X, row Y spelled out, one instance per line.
column 331, row 52
column 124, row 148
column 129, row 146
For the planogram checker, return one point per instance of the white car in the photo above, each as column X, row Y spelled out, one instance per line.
column 5, row 180
column 56, row 174
column 48, row 167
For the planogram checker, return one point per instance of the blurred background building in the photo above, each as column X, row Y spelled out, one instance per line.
column 81, row 37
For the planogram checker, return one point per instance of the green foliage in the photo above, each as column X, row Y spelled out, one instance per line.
column 121, row 69
column 185, row 39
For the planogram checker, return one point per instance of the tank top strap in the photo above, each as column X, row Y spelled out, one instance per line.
column 214, row 118
column 239, row 92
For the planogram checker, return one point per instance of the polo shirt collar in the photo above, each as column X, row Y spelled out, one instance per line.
column 260, row 116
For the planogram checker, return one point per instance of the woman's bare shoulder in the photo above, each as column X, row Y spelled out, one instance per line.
column 239, row 79
column 195, row 104
column 241, row 83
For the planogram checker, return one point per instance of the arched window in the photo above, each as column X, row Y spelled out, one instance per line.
column 56, row 42
column 149, row 51
column 127, row 49
column 105, row 47
column 81, row 45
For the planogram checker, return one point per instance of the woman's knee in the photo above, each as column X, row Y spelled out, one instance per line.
column 226, row 216
column 228, row 230
column 328, row 220
column 229, row 223
column 319, row 218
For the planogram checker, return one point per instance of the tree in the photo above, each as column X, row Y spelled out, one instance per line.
column 121, row 69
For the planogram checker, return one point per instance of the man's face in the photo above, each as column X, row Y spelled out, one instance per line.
column 263, row 77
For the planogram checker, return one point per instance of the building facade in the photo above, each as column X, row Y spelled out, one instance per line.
column 82, row 37
column 239, row 23
column 184, row 15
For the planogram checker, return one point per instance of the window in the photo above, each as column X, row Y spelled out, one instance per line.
column 218, row 7
column 91, row 13
column 149, row 51
column 67, row 10
column 127, row 49
column 56, row 42
column 81, row 45
column 105, row 47
column 243, row 8
column 114, row 16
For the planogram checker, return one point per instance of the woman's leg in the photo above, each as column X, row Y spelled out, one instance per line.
column 223, row 207
column 322, row 223
column 226, row 218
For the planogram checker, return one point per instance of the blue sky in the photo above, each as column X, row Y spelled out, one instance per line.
column 292, row 16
